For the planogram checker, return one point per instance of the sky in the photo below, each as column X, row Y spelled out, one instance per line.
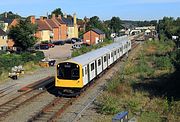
column 105, row 9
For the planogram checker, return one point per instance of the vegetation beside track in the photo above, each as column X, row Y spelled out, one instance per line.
column 85, row 49
column 148, row 87
column 27, row 59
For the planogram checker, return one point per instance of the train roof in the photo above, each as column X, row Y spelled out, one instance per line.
column 90, row 56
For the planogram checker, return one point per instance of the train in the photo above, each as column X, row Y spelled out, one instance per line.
column 75, row 74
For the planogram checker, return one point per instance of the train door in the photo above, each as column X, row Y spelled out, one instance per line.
column 95, row 68
column 88, row 71
column 109, row 59
column 105, row 61
column 118, row 54
column 85, row 75
column 112, row 58
column 102, row 63
column 115, row 55
column 92, row 70
column 99, row 66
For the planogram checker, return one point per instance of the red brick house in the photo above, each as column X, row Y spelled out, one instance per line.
column 62, row 27
column 93, row 36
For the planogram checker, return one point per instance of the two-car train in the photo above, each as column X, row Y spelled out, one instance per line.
column 74, row 74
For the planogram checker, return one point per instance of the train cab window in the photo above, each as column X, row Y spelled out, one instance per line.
column 99, row 62
column 92, row 66
column 68, row 71
column 105, row 59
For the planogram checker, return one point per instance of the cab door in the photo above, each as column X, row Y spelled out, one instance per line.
column 85, row 75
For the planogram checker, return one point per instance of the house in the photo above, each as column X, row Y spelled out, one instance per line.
column 50, row 29
column 3, row 40
column 93, row 36
column 44, row 32
column 8, row 23
column 72, row 27
column 62, row 27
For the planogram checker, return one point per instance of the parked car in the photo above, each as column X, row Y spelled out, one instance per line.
column 70, row 41
column 50, row 45
column 76, row 46
column 59, row 42
column 44, row 46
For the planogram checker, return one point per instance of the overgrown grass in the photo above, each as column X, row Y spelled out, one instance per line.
column 27, row 59
column 85, row 49
column 144, row 88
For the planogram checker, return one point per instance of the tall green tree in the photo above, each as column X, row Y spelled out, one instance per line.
column 57, row 12
column 95, row 22
column 23, row 34
column 115, row 24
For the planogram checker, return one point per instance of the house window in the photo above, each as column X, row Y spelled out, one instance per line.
column 104, row 58
column 99, row 62
column 92, row 66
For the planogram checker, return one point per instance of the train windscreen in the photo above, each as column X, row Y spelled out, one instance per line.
column 68, row 71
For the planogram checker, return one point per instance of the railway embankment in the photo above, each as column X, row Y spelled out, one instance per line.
column 148, row 87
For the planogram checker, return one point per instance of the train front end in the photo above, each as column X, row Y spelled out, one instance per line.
column 69, row 78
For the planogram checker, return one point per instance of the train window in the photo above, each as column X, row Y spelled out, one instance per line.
column 118, row 50
column 92, row 66
column 111, row 54
column 121, row 49
column 114, row 52
column 85, row 70
column 105, row 59
column 99, row 62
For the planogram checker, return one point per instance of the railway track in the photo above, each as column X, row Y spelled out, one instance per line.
column 53, row 110
column 20, row 100
column 56, row 107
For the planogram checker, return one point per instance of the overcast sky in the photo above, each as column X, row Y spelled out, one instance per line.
column 105, row 9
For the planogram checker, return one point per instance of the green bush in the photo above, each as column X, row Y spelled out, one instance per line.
column 163, row 62
column 108, row 105
column 7, row 61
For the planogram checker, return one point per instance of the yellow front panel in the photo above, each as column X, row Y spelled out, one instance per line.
column 70, row 83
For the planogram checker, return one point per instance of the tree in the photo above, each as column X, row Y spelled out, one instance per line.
column 57, row 12
column 23, row 34
column 115, row 24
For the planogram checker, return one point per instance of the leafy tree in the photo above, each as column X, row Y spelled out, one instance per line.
column 57, row 12
column 95, row 22
column 115, row 24
column 1, row 26
column 23, row 34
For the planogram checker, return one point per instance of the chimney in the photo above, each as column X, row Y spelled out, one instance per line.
column 65, row 15
column 59, row 16
column 32, row 19
column 5, row 15
column 53, row 16
column 41, row 18
column 74, row 18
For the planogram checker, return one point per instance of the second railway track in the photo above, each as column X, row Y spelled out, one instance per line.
column 20, row 100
